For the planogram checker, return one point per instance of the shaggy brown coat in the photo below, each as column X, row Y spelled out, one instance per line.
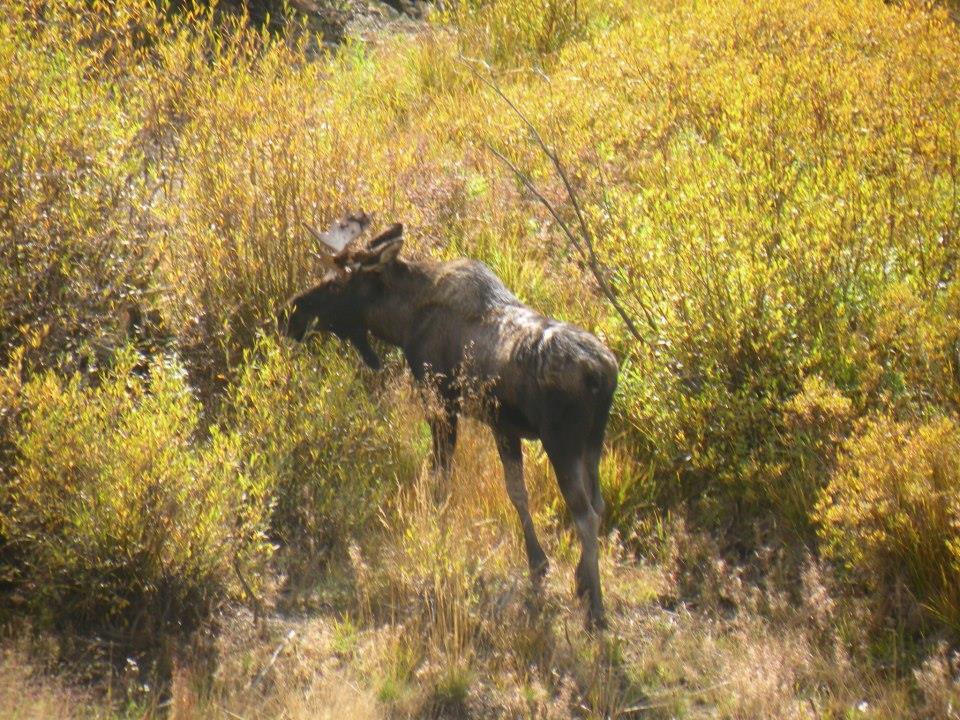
column 459, row 329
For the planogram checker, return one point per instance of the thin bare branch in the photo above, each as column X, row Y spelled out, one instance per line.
column 583, row 244
column 528, row 184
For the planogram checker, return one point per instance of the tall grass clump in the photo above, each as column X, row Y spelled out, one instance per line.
column 118, row 514
column 507, row 32
column 891, row 513
column 426, row 582
column 330, row 452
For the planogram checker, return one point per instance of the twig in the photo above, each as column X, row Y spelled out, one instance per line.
column 647, row 313
column 248, row 591
column 258, row 678
column 528, row 183
column 486, row 558
column 566, row 633
column 644, row 707
column 231, row 713
column 584, row 244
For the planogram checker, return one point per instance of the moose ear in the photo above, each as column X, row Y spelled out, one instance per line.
column 393, row 232
column 385, row 254
column 390, row 251
column 383, row 249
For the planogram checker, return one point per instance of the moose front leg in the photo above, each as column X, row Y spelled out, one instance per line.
column 511, row 455
column 361, row 342
column 443, row 428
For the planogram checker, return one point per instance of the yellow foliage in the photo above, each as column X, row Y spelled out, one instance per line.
column 75, row 242
column 507, row 32
column 117, row 514
column 793, row 467
column 892, row 510
column 326, row 450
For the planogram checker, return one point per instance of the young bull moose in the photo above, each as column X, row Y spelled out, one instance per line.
column 457, row 324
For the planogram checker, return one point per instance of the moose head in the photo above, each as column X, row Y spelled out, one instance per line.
column 352, row 284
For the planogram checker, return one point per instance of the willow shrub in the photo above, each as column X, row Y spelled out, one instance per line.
column 117, row 514
column 891, row 512
column 772, row 186
column 256, row 164
column 772, row 189
column 775, row 192
column 266, row 145
column 74, row 225
column 329, row 449
column 508, row 32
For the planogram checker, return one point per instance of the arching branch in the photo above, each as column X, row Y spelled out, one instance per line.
column 583, row 243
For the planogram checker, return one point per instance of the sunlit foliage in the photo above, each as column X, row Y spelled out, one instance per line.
column 118, row 514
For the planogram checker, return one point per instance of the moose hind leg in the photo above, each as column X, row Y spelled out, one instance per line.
column 592, row 462
column 593, row 452
column 574, row 484
column 511, row 455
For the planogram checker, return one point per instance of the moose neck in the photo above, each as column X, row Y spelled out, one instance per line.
column 391, row 320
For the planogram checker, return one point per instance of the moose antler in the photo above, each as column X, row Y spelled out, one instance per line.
column 341, row 233
column 372, row 252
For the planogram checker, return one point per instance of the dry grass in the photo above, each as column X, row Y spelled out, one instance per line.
column 26, row 694
column 438, row 621
column 505, row 654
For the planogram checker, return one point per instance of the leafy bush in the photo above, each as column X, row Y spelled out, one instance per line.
column 912, row 359
column 11, row 384
column 118, row 515
column 11, row 388
column 796, row 462
column 891, row 512
column 258, row 160
column 772, row 187
column 629, row 492
column 769, row 217
column 329, row 451
column 261, row 150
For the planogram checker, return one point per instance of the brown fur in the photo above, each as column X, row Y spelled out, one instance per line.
column 459, row 327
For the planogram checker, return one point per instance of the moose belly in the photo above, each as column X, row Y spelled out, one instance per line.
column 509, row 417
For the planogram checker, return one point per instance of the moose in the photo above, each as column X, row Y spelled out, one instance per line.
column 457, row 324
